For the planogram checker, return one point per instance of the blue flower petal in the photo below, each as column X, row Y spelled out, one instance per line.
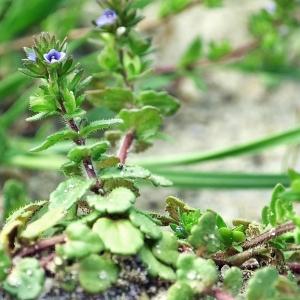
column 108, row 17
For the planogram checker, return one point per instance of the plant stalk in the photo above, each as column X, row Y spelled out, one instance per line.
column 125, row 147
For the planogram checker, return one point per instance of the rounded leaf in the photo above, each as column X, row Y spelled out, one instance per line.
column 119, row 236
column 96, row 273
column 117, row 201
column 166, row 249
column 26, row 280
column 145, row 224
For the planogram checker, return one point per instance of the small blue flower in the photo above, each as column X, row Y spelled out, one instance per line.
column 30, row 54
column 270, row 7
column 54, row 56
column 108, row 17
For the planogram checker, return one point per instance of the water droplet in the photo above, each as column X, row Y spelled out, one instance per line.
column 192, row 275
column 102, row 275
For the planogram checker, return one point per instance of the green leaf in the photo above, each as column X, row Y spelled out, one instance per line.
column 180, row 291
column 113, row 98
column 56, row 138
column 130, row 172
column 69, row 101
column 61, row 200
column 145, row 224
column 233, row 280
column 155, row 267
column 262, row 285
column 204, row 235
column 97, row 274
column 199, row 273
column 108, row 58
column 192, row 54
column 117, row 201
column 99, row 125
column 69, row 192
column 18, row 18
column 119, row 236
column 157, row 180
column 16, row 221
column 218, row 50
column 145, row 122
column 41, row 103
column 14, row 196
column 81, row 242
column 26, row 280
column 167, row 104
column 5, row 264
column 166, row 249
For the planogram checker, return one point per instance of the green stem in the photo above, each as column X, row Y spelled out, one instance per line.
column 291, row 136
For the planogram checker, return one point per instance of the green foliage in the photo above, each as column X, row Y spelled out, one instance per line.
column 154, row 266
column 204, row 235
column 97, row 273
column 199, row 273
column 179, row 291
column 119, row 236
column 99, row 125
column 145, row 122
column 55, row 138
column 233, row 280
column 218, row 50
column 263, row 278
column 145, row 224
column 167, row 104
column 25, row 282
column 5, row 264
column 118, row 201
column 14, row 197
column 192, row 54
column 113, row 98
column 81, row 242
column 166, row 249
column 61, row 200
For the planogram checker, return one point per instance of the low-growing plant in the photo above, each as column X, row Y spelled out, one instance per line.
column 90, row 233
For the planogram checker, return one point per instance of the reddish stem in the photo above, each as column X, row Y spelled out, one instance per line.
column 269, row 235
column 42, row 245
column 222, row 295
column 125, row 146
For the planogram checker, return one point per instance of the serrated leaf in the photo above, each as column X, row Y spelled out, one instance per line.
column 26, row 280
column 180, row 291
column 199, row 273
column 99, row 125
column 145, row 122
column 154, row 266
column 42, row 103
column 55, row 138
column 130, row 172
column 233, row 280
column 262, row 285
column 175, row 206
column 204, row 235
column 166, row 249
column 167, row 104
column 61, row 200
column 113, row 98
column 119, row 236
column 145, row 224
column 81, row 242
column 97, row 274
column 38, row 117
column 117, row 201
column 16, row 221
column 158, row 180
column 69, row 192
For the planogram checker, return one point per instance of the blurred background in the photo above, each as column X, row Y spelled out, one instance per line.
column 240, row 97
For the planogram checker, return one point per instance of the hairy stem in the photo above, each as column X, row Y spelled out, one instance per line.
column 269, row 235
column 125, row 146
column 87, row 162
column 41, row 245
